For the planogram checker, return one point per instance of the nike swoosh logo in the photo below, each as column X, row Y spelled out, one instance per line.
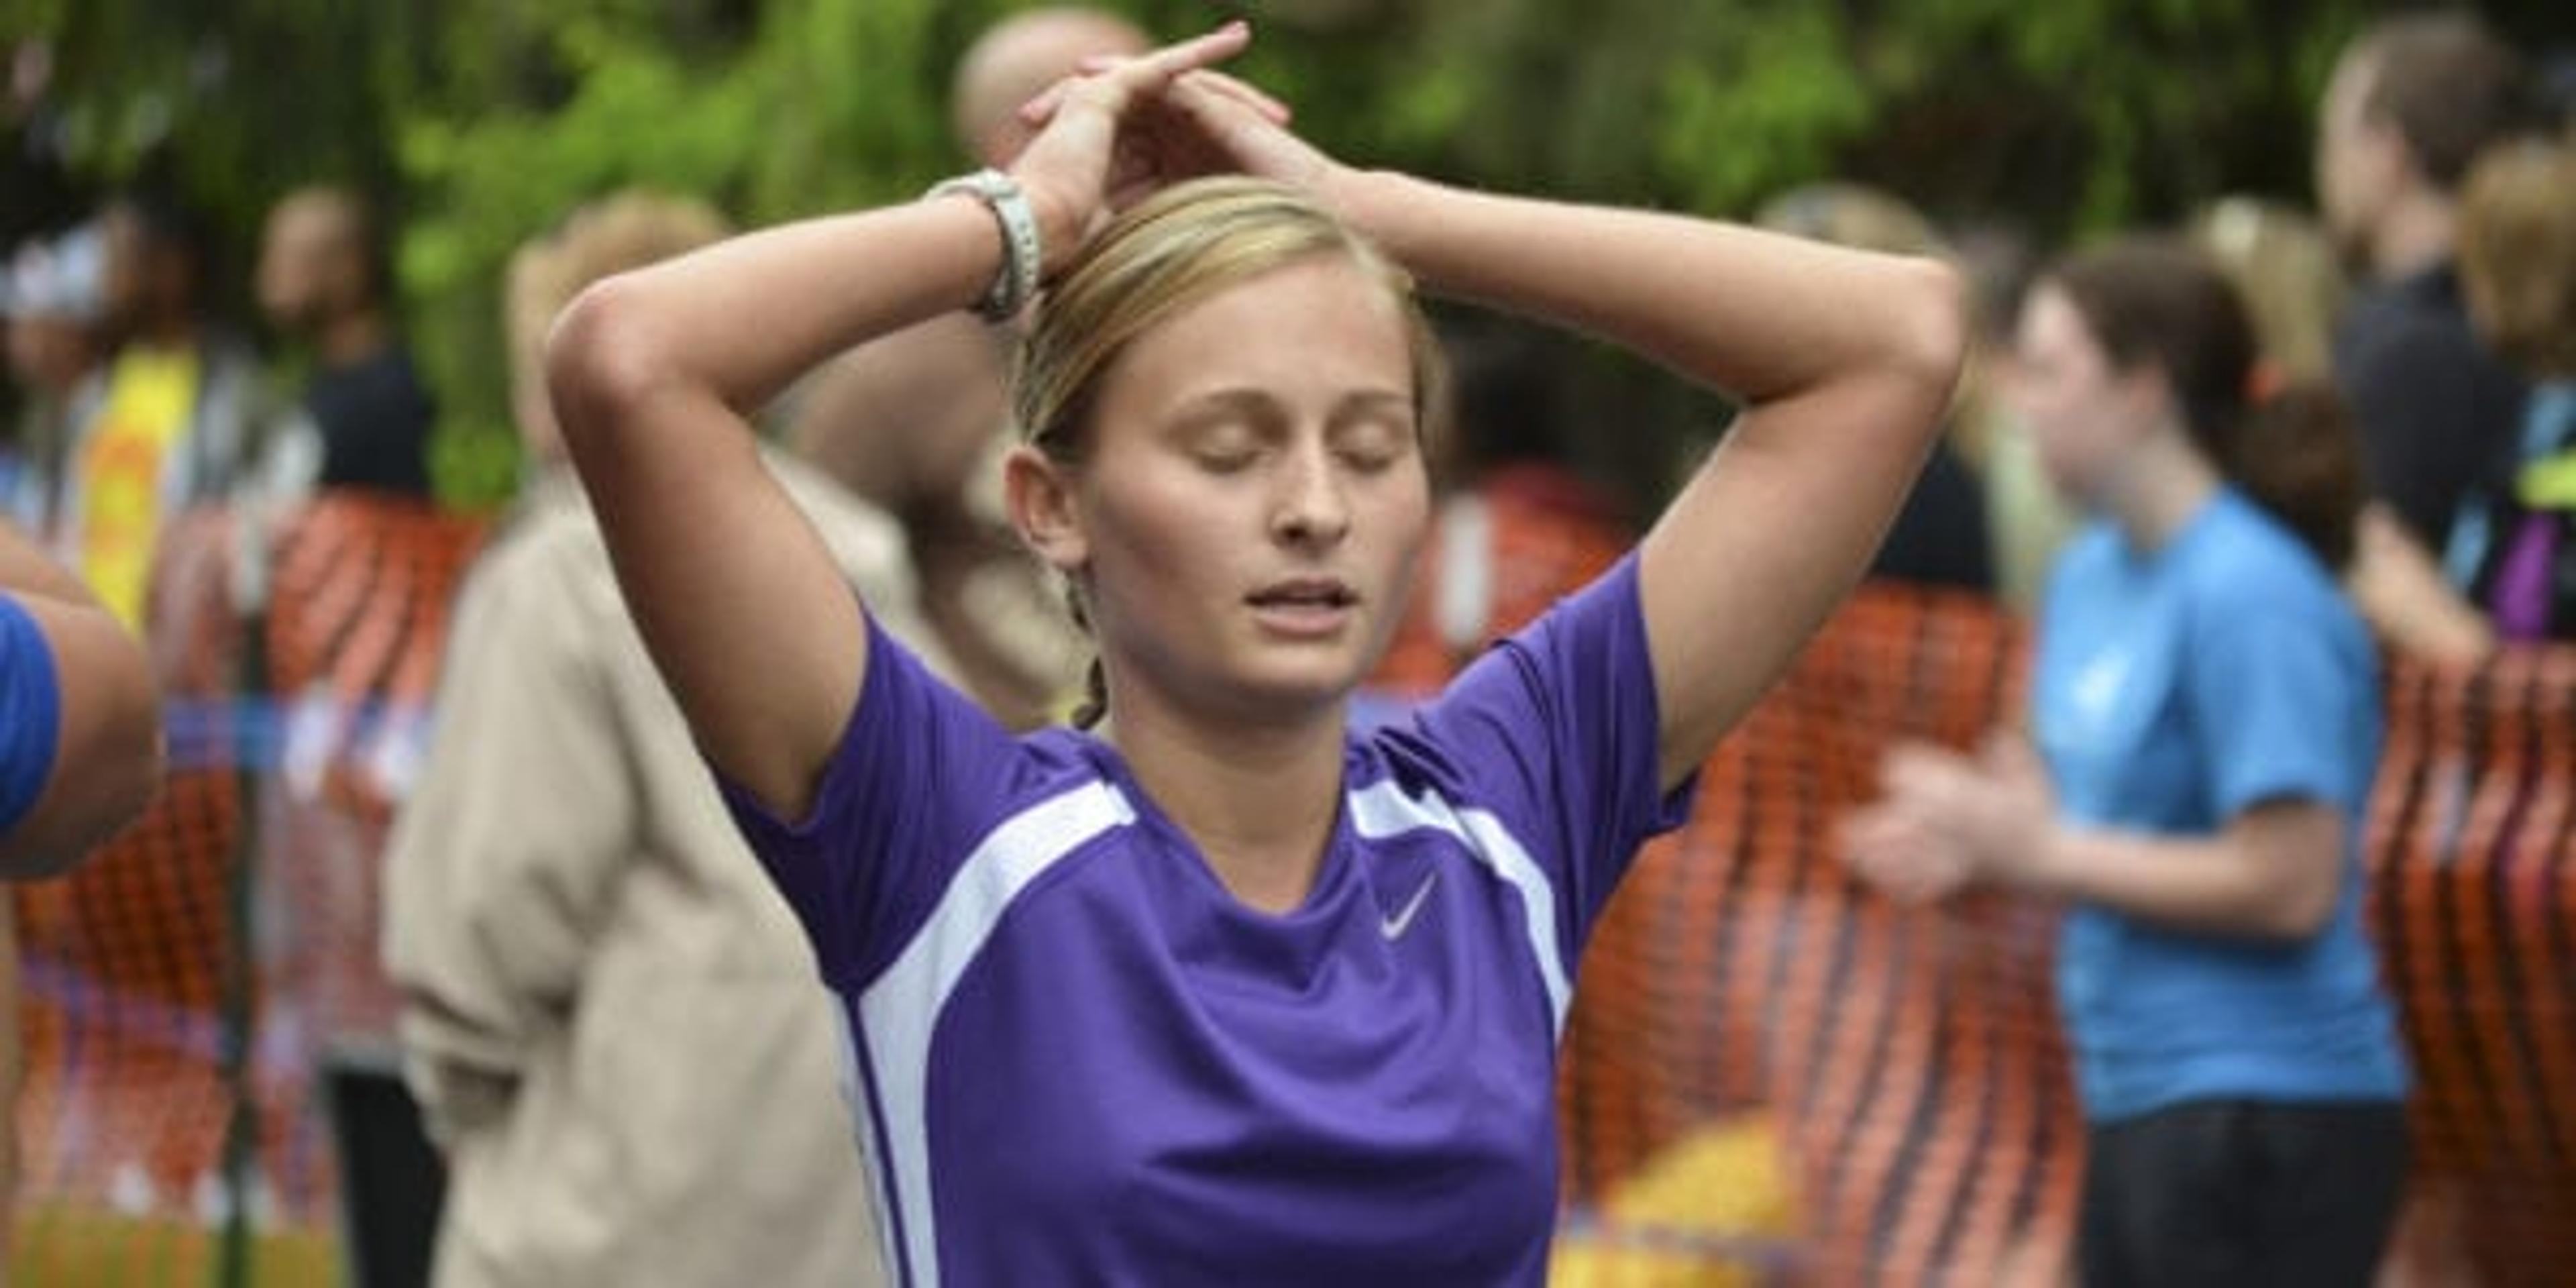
column 1393, row 928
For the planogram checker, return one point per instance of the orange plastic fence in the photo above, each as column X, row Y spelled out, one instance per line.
column 1910, row 1059
column 123, row 1019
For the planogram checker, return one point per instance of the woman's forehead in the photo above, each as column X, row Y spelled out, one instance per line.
column 1325, row 327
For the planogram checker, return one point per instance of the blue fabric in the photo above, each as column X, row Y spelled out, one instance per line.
column 30, row 711
column 2176, row 689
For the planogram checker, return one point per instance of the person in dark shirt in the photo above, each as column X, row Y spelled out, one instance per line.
column 2412, row 103
column 321, row 280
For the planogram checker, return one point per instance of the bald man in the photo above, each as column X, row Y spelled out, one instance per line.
column 916, row 422
column 322, row 282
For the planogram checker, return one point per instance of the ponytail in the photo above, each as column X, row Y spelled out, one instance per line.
column 1095, row 678
column 2297, row 456
column 1095, row 697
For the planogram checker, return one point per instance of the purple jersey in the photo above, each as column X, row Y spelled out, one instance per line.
column 1081, row 1060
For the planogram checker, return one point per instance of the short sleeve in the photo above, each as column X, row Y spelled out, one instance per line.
column 917, row 779
column 1557, row 732
column 30, row 711
column 2280, row 689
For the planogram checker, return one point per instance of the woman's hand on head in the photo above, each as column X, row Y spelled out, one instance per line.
column 1100, row 137
column 1124, row 128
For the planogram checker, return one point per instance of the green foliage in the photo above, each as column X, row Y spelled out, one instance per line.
column 489, row 118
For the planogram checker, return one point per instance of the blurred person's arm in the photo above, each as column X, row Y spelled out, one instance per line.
column 2274, row 873
column 505, row 851
column 80, row 722
column 2280, row 698
column 1951, row 821
column 2409, row 604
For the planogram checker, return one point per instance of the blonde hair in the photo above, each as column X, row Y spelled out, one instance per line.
column 2283, row 265
column 1182, row 246
column 1855, row 215
column 2518, row 253
column 625, row 230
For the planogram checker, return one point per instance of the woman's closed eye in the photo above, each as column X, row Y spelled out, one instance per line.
column 1226, row 453
column 1374, row 445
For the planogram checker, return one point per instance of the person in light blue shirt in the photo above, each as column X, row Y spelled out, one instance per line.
column 2206, row 709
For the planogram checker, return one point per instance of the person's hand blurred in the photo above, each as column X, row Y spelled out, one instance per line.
column 1947, row 821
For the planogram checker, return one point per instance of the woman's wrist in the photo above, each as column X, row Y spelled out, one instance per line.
column 1022, row 242
column 1372, row 202
column 2039, row 861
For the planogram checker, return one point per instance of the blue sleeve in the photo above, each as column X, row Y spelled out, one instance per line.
column 1556, row 730
column 2284, row 696
column 31, row 713
column 917, row 778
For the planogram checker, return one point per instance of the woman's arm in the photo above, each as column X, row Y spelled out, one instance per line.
column 653, row 374
column 2399, row 588
column 2274, row 872
column 1844, row 360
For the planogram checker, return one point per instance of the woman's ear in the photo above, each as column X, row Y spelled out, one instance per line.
column 1040, row 500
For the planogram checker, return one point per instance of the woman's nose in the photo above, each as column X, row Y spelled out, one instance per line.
column 1311, row 506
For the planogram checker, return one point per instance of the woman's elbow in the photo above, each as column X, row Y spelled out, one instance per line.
column 2301, row 912
column 2305, row 889
column 1929, row 342
column 601, row 359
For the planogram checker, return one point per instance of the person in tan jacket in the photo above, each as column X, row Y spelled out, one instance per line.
column 613, row 1025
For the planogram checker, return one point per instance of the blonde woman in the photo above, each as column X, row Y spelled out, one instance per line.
column 1212, row 989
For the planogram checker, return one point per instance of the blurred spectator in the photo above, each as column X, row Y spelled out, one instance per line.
column 1941, row 537
column 2413, row 102
column 2515, row 545
column 1520, row 531
column 2284, row 266
column 917, row 423
column 2208, row 716
column 322, row 281
column 52, row 301
column 611, row 1020
column 180, row 410
column 2027, row 517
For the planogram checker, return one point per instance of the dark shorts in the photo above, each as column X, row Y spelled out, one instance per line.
column 2242, row 1192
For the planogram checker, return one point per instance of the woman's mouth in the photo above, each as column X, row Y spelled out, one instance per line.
column 1306, row 607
